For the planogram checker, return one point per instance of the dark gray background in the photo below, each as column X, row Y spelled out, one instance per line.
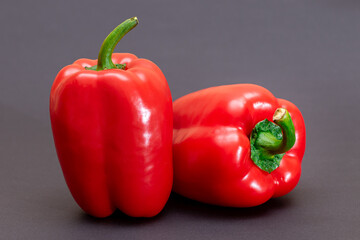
column 305, row 51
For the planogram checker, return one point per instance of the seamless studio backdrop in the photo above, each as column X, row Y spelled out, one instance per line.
column 307, row 52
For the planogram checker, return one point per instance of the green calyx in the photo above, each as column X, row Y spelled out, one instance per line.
column 117, row 66
column 270, row 141
column 109, row 44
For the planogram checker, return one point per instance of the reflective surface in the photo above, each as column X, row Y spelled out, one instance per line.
column 113, row 131
column 211, row 147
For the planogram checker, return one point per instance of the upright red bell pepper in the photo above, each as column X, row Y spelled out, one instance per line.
column 112, row 126
column 227, row 151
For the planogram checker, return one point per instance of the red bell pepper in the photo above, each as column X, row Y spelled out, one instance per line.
column 112, row 126
column 228, row 152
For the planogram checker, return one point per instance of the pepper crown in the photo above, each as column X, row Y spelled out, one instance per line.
column 270, row 141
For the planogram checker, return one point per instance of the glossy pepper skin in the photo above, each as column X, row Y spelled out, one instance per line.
column 113, row 134
column 211, row 146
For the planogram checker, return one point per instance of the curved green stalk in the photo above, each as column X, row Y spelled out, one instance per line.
column 109, row 44
column 269, row 141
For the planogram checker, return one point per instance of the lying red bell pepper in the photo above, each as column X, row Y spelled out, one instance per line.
column 228, row 152
column 112, row 126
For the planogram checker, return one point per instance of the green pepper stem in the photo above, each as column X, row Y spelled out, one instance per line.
column 110, row 42
column 270, row 140
column 282, row 118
